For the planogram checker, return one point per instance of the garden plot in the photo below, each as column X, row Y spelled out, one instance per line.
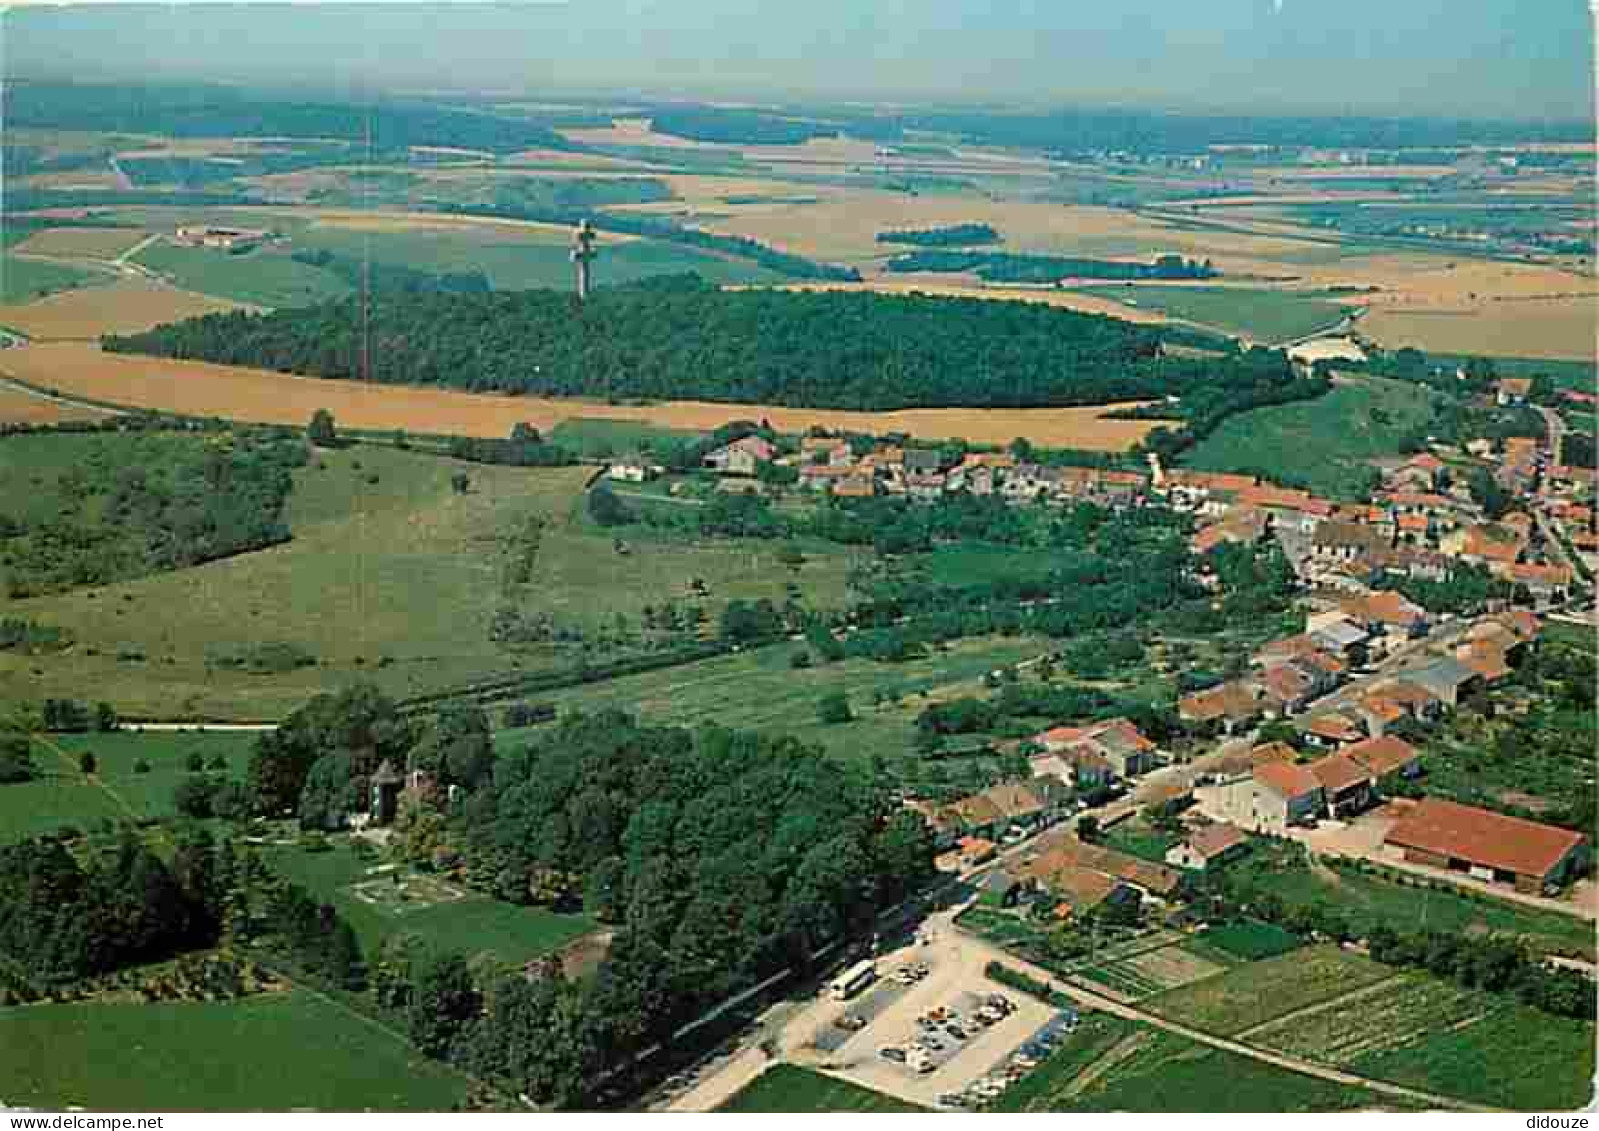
column 1378, row 1019
column 1151, row 971
column 1248, row 996
column 398, row 892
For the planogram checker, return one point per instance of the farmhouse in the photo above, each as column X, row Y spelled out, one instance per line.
column 632, row 471
column 1208, row 846
column 1066, row 853
column 1345, row 784
column 1275, row 797
column 1117, row 741
column 1444, row 678
column 1490, row 846
column 222, row 239
column 1387, row 611
column 1225, row 707
column 741, row 457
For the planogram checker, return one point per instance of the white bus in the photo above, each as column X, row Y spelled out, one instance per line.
column 853, row 980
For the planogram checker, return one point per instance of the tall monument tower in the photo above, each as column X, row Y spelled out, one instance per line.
column 583, row 254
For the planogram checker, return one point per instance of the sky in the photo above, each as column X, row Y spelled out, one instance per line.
column 1468, row 58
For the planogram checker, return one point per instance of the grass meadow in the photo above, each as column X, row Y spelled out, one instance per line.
column 1326, row 444
column 391, row 576
column 265, row 1053
column 470, row 925
column 64, row 796
column 788, row 1088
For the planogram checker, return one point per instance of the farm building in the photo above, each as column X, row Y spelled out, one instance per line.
column 1208, row 846
column 222, row 239
column 632, row 471
column 1386, row 758
column 1117, row 741
column 1345, row 783
column 1275, row 797
column 741, row 457
column 1487, row 845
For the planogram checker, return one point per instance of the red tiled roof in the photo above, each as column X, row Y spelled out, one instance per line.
column 1286, row 779
column 1489, row 840
column 1213, row 840
column 1383, row 756
column 1338, row 772
column 1332, row 725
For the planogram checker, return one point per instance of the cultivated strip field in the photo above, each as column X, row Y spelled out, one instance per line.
column 128, row 306
column 1250, row 995
column 258, row 396
column 85, row 243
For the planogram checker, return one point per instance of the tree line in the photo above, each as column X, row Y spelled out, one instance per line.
column 684, row 339
column 1003, row 267
column 950, row 235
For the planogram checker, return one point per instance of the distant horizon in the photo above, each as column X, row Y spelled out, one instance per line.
column 1492, row 60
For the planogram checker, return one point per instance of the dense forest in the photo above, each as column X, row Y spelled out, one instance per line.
column 953, row 235
column 734, row 126
column 680, row 338
column 217, row 111
column 717, row 858
column 999, row 267
column 135, row 505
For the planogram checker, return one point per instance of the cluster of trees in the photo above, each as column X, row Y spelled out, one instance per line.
column 736, row 126
column 682, row 338
column 371, row 275
column 1002, row 267
column 951, row 235
column 525, row 447
column 146, row 503
column 1497, row 963
column 1467, row 588
column 719, row 857
column 69, row 915
column 317, row 765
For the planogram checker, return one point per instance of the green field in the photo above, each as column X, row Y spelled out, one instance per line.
column 1258, row 992
column 760, row 690
column 63, row 796
column 594, row 438
column 1261, row 315
column 1250, row 940
column 1367, row 899
column 265, row 277
column 1155, row 1071
column 23, row 280
column 1138, row 839
column 789, row 1088
column 1512, row 1056
column 524, row 258
column 268, row 1053
column 1326, row 444
column 391, row 576
column 471, row 925
column 1441, row 1037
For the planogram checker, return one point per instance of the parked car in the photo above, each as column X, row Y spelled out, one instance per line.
column 850, row 1022
column 892, row 1052
column 955, row 1031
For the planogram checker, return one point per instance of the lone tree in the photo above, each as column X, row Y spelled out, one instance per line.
column 321, row 431
column 87, row 763
column 606, row 509
column 834, row 709
column 461, row 482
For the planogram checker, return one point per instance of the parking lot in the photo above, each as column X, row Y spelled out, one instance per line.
column 952, row 994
